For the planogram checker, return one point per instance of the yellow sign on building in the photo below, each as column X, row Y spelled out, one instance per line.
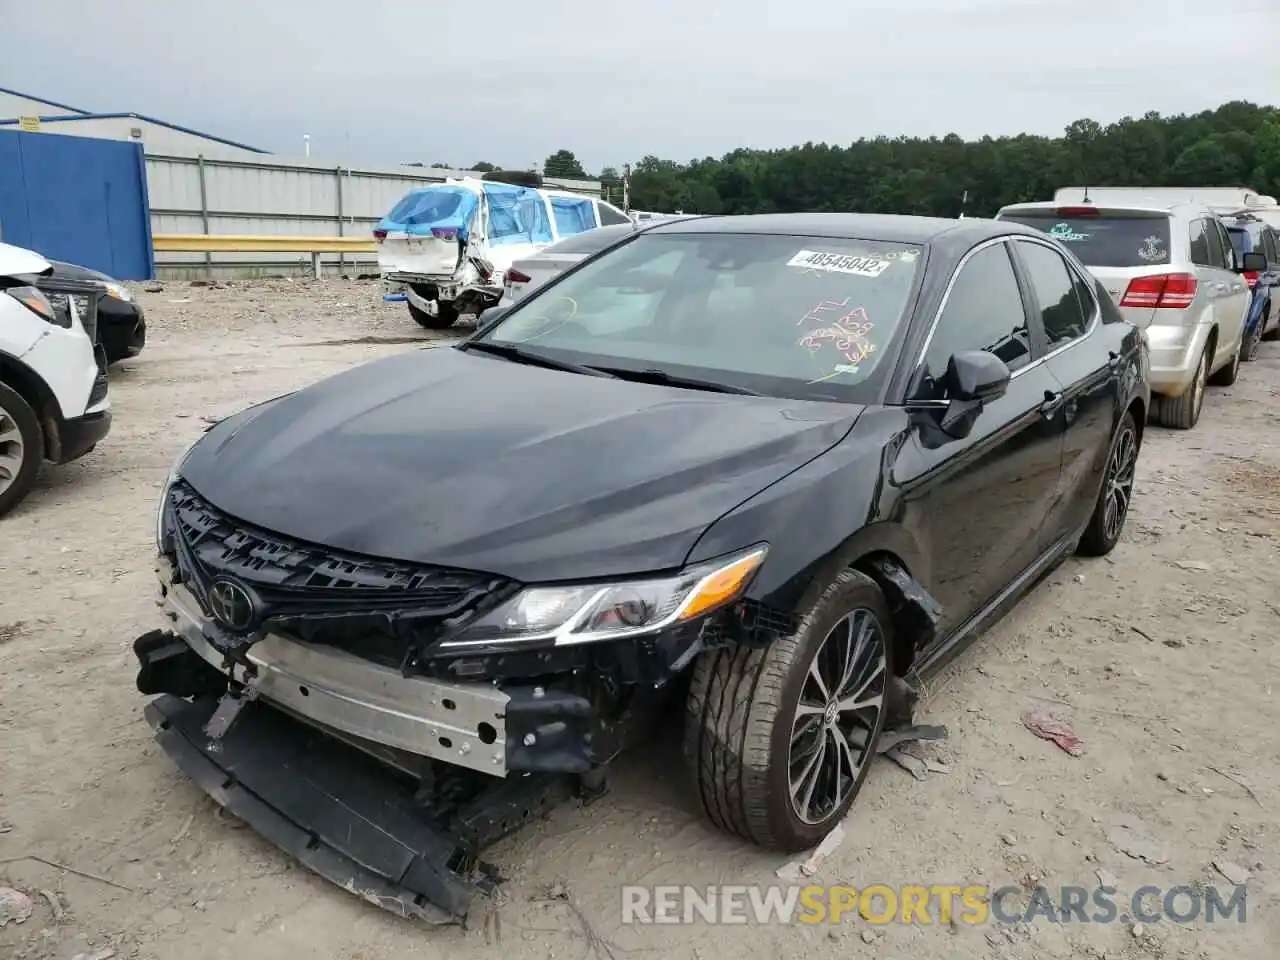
column 29, row 124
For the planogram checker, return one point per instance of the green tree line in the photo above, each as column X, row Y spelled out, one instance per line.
column 1238, row 144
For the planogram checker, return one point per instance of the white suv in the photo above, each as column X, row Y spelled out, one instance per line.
column 53, row 390
column 1173, row 272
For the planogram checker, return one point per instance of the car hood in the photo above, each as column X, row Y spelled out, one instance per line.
column 470, row 461
column 74, row 271
column 20, row 262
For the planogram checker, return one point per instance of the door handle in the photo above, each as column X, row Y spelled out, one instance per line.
column 1052, row 401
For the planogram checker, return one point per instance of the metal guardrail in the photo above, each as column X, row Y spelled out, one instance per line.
column 237, row 243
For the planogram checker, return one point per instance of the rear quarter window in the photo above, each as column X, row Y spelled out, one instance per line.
column 1105, row 241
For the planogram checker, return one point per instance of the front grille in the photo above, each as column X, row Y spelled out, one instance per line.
column 372, row 607
column 87, row 295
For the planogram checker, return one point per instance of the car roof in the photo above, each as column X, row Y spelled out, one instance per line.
column 894, row 228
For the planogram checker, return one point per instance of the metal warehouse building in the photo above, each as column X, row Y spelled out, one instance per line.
column 201, row 184
column 35, row 114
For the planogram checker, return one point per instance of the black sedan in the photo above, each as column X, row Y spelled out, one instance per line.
column 796, row 460
column 122, row 327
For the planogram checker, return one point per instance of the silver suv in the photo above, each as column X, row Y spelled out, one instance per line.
column 1172, row 271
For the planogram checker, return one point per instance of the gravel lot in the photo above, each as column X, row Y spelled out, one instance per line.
column 1162, row 657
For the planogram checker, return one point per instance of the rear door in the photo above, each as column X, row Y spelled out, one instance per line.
column 1130, row 251
column 1087, row 369
column 1226, row 289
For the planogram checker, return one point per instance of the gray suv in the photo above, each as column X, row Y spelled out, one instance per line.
column 1172, row 271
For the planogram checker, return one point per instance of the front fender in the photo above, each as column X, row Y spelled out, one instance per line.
column 822, row 518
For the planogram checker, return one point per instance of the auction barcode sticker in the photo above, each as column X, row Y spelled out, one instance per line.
column 839, row 263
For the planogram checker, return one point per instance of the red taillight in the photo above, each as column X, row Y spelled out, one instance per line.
column 379, row 235
column 1077, row 211
column 1165, row 291
column 1251, row 278
column 515, row 276
column 444, row 233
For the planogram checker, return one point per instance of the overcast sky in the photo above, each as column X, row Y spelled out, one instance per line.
column 510, row 82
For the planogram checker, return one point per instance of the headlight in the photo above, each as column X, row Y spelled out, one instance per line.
column 174, row 470
column 35, row 301
column 119, row 291
column 588, row 613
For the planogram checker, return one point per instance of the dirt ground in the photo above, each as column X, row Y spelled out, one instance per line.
column 1162, row 657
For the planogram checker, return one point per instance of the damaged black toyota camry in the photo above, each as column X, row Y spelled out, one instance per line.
column 766, row 470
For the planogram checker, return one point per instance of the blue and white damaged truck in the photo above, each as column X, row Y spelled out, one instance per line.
column 448, row 247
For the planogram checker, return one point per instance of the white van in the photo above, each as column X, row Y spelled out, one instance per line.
column 448, row 246
column 53, row 385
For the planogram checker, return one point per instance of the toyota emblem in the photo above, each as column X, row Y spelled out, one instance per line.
column 232, row 606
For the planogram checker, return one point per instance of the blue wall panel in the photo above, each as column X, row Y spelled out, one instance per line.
column 77, row 199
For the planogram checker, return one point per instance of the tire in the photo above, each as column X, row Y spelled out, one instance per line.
column 444, row 318
column 743, row 704
column 21, row 448
column 1183, row 412
column 1228, row 374
column 1112, row 506
column 1266, row 318
column 1252, row 341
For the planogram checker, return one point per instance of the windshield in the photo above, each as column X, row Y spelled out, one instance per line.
column 1135, row 240
column 802, row 317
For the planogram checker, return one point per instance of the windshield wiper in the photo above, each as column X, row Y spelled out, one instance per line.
column 653, row 375
column 511, row 352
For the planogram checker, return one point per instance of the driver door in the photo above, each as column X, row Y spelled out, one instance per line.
column 977, row 505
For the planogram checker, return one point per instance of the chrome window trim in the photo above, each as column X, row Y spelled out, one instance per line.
column 1084, row 278
column 1005, row 240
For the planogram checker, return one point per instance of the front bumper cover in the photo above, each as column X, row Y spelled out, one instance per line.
column 340, row 813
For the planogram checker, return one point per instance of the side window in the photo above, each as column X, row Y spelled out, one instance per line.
column 1061, row 310
column 1215, row 238
column 1272, row 248
column 983, row 312
column 1200, row 244
column 1229, row 257
column 611, row 217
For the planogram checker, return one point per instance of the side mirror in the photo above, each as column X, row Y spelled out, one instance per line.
column 1253, row 263
column 489, row 317
column 976, row 376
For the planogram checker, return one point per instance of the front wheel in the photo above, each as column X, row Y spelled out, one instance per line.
column 21, row 448
column 445, row 316
column 780, row 739
column 1112, row 508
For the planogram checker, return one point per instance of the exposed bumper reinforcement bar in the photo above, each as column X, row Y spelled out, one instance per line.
column 343, row 815
column 462, row 724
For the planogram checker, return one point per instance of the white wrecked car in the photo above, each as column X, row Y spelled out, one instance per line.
column 447, row 247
